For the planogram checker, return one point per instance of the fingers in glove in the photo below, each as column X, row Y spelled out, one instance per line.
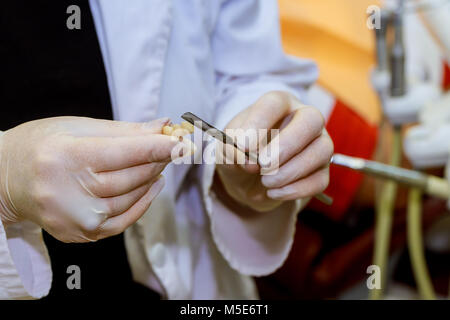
column 119, row 182
column 315, row 156
column 119, row 223
column 303, row 188
column 109, row 154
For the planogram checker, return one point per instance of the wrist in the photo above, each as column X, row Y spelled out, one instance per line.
column 6, row 216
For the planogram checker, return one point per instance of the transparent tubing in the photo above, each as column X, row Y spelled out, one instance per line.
column 383, row 220
column 415, row 245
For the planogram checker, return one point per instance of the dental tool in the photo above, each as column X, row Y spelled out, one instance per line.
column 217, row 134
column 432, row 185
column 385, row 200
column 381, row 42
column 226, row 139
column 398, row 76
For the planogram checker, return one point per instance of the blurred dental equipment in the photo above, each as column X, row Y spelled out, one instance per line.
column 381, row 42
column 381, row 76
column 403, row 88
column 397, row 59
column 436, row 17
column 432, row 185
column 405, row 109
column 395, row 89
column 412, row 87
column 428, row 145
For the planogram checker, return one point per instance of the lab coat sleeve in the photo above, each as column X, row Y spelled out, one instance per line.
column 250, row 62
column 25, row 271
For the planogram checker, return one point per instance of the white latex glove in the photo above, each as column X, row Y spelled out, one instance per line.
column 302, row 158
column 81, row 179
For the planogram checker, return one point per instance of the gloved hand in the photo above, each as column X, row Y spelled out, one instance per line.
column 297, row 168
column 81, row 179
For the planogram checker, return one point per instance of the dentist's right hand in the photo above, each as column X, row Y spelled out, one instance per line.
column 81, row 179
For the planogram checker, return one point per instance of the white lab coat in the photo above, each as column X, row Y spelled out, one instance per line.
column 162, row 58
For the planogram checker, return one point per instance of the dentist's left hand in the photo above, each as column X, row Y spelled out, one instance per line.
column 81, row 179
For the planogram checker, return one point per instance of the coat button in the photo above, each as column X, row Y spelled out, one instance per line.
column 158, row 255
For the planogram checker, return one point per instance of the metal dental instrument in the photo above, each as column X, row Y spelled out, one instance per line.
column 432, row 185
column 226, row 139
column 398, row 73
column 216, row 133
column 381, row 42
